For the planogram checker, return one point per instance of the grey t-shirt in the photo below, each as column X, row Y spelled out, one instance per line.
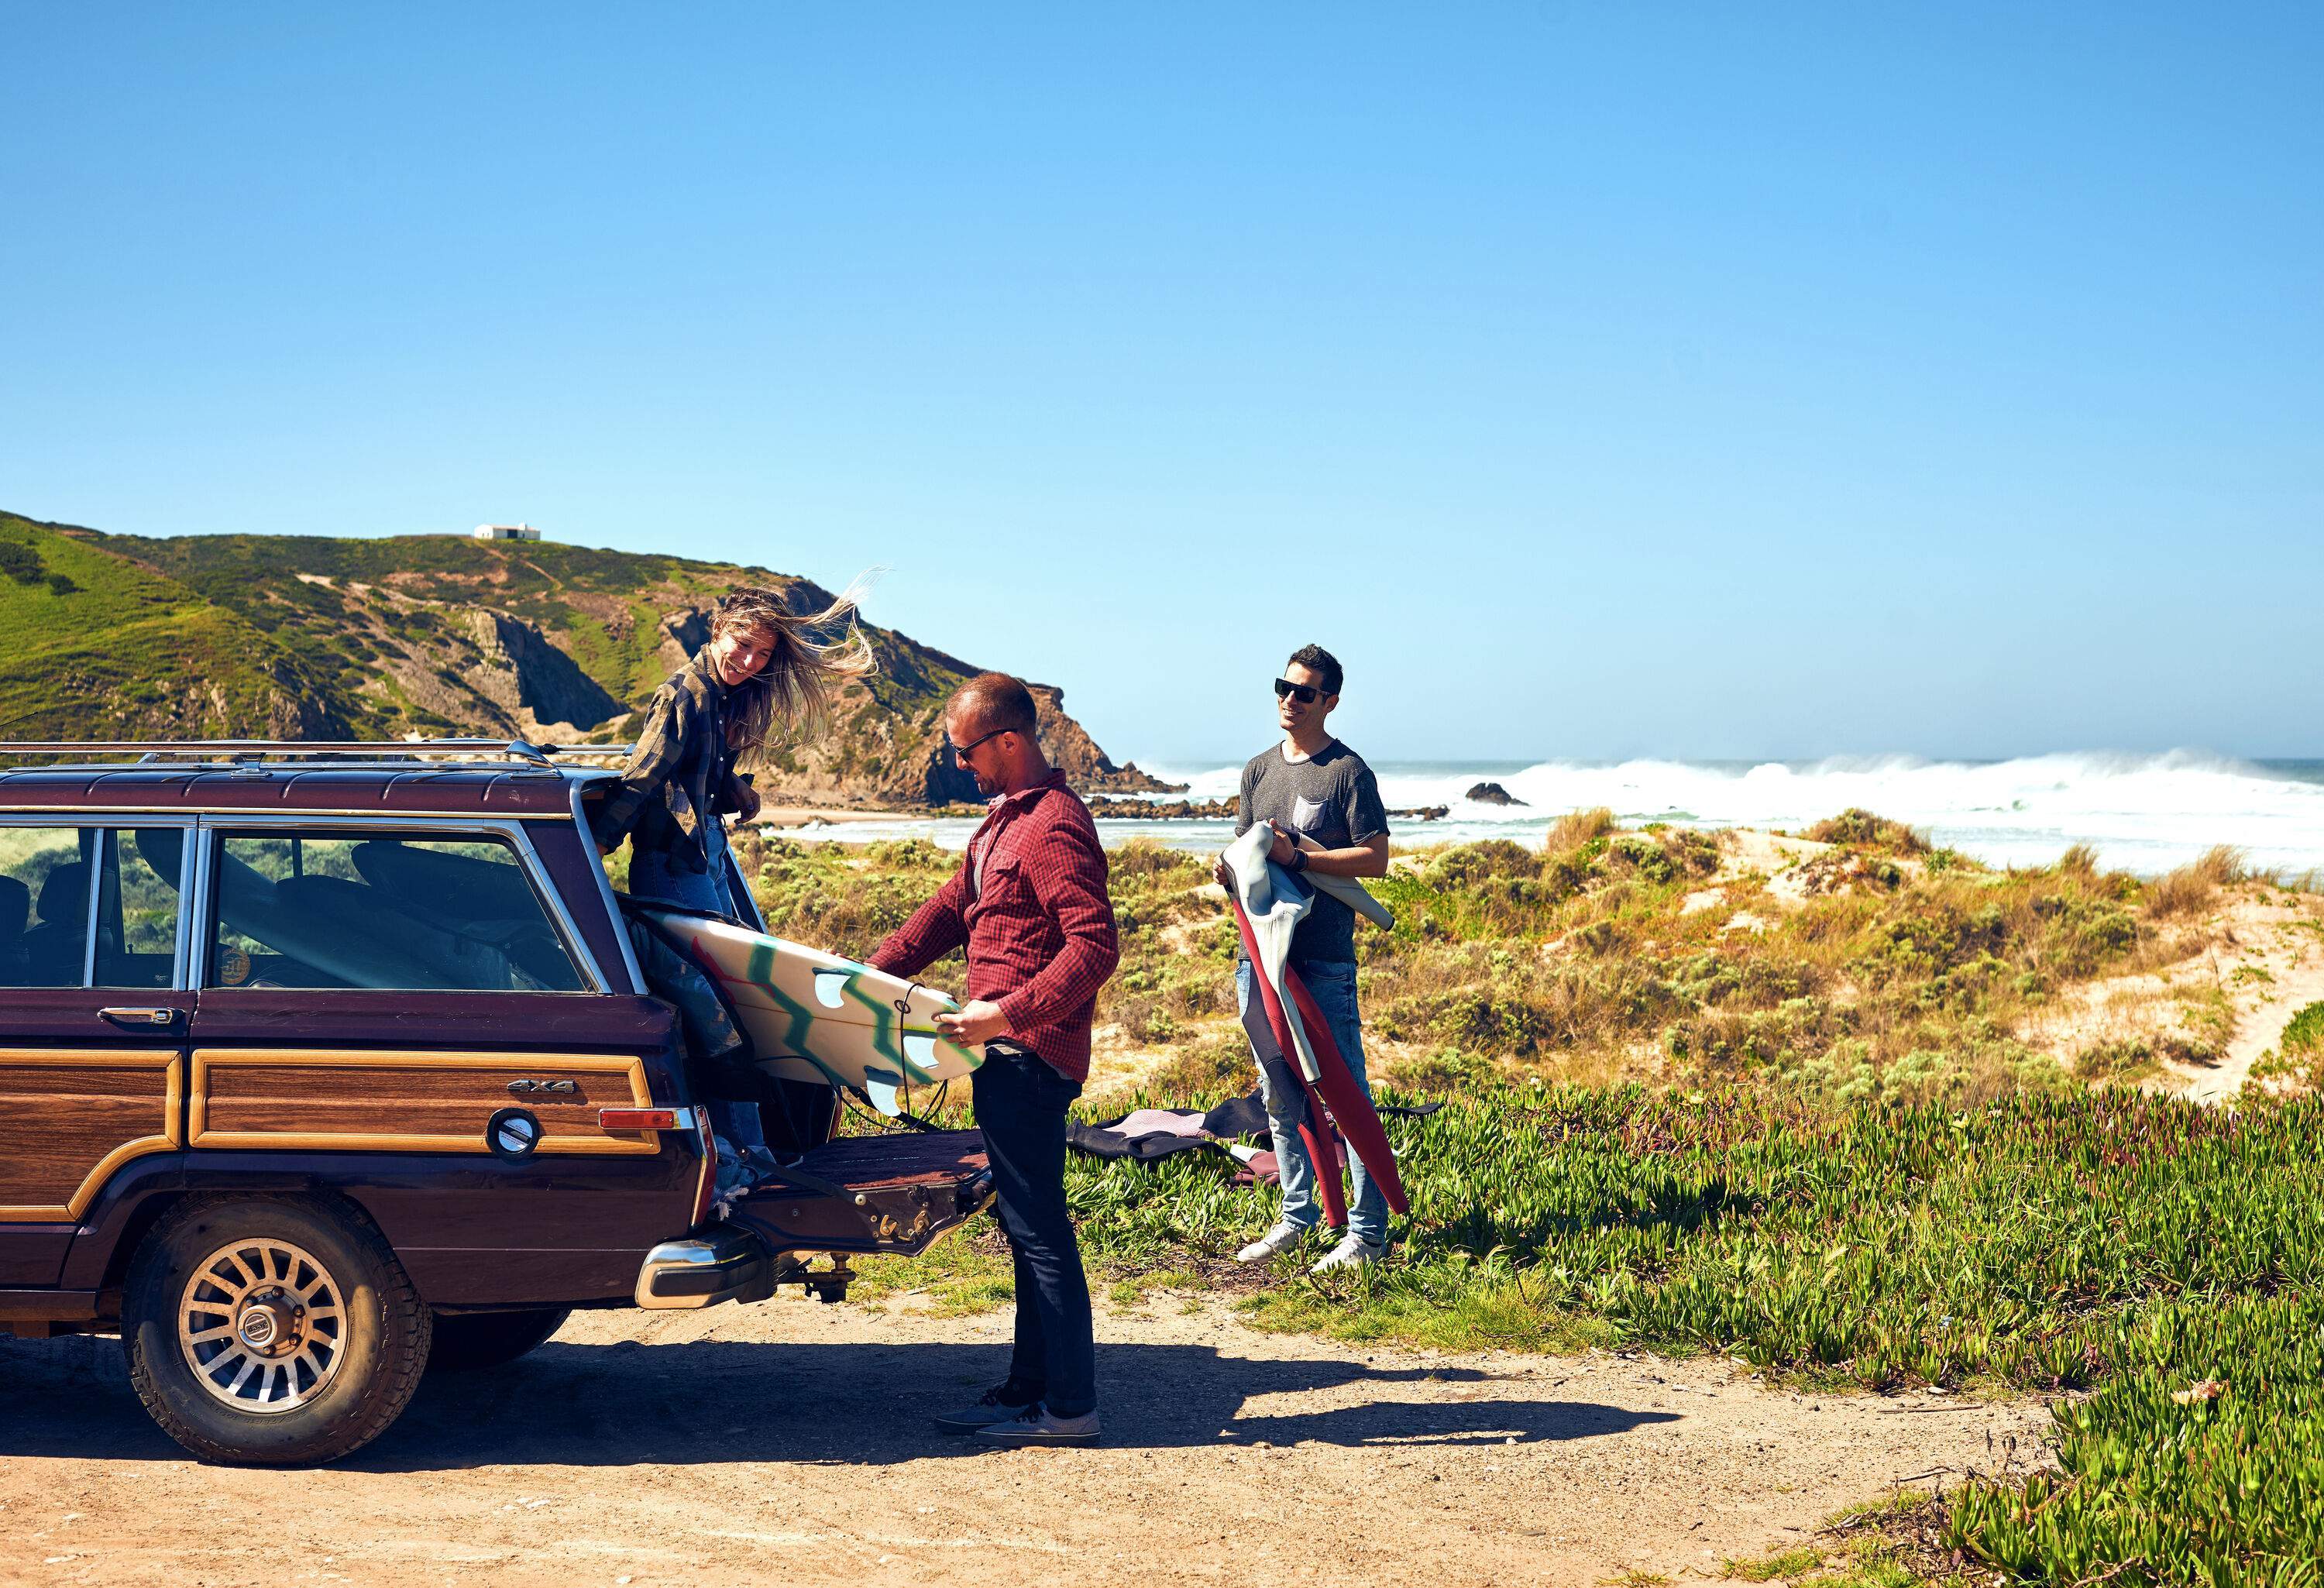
column 1333, row 798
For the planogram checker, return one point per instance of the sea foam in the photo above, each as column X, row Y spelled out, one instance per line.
column 2143, row 813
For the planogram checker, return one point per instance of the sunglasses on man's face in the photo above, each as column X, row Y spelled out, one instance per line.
column 962, row 753
column 1305, row 694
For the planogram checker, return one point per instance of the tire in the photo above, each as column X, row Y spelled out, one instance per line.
column 325, row 1370
column 467, row 1343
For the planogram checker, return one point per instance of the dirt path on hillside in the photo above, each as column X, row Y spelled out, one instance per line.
column 2284, row 944
column 787, row 1443
column 2263, row 964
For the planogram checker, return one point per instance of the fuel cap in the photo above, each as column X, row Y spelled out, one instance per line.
column 512, row 1133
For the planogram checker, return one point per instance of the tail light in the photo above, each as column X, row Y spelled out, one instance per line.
column 637, row 1119
column 709, row 1167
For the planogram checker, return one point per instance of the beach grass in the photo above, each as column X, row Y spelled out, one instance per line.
column 1872, row 965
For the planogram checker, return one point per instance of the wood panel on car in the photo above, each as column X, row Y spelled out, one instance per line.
column 69, row 1117
column 404, row 1101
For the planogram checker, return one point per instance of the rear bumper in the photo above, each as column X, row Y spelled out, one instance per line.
column 718, row 1263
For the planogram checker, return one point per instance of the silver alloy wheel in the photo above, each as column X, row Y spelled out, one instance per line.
column 263, row 1325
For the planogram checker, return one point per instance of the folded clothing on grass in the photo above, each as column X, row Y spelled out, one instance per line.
column 1145, row 1134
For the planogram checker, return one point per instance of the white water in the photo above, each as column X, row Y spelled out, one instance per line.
column 2146, row 813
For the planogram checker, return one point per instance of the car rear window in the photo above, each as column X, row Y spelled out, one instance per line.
column 335, row 908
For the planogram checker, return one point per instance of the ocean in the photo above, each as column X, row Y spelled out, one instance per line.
column 2142, row 813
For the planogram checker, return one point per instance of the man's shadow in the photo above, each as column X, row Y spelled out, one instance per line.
column 713, row 1401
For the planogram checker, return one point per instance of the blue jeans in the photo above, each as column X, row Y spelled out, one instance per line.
column 654, row 874
column 1020, row 1108
column 1334, row 989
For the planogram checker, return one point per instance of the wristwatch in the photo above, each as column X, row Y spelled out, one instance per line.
column 1299, row 858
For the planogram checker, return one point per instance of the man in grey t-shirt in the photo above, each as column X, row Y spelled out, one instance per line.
column 1325, row 806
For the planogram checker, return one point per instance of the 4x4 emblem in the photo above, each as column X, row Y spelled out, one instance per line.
column 528, row 1088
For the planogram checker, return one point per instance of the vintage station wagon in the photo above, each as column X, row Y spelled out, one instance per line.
column 321, row 1066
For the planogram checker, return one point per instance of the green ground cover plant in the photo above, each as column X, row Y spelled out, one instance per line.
column 2299, row 1057
column 2154, row 1263
column 1813, row 1143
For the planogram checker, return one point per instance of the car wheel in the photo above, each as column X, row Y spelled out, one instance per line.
column 467, row 1341
column 271, row 1331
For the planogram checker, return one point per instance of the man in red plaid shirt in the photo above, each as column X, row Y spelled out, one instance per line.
column 1029, row 904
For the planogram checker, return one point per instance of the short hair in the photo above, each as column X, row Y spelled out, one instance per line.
column 1321, row 662
column 994, row 702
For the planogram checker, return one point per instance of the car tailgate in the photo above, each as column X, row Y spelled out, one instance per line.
column 894, row 1192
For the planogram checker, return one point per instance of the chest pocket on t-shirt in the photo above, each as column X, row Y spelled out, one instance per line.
column 1308, row 814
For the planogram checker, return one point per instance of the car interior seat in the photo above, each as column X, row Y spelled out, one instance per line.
column 475, row 903
column 15, row 909
column 55, row 950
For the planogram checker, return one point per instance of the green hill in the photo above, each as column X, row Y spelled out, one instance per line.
column 119, row 636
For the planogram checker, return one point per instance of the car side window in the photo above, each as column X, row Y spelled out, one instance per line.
column 44, row 882
column 329, row 907
column 137, row 906
column 45, row 896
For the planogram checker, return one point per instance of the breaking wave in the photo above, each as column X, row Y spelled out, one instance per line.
column 2143, row 813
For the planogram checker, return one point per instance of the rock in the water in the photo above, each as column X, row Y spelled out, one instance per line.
column 1490, row 794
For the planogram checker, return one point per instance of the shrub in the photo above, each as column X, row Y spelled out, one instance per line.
column 1469, row 863
column 2303, row 1037
column 2124, row 1059
column 1143, row 857
column 2079, row 861
column 1860, row 829
column 1573, row 830
column 2193, row 887
column 21, row 563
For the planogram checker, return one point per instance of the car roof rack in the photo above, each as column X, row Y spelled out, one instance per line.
column 247, row 752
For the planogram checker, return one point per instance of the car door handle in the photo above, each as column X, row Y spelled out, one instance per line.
column 135, row 1016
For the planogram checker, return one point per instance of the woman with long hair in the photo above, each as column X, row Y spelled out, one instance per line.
column 766, row 673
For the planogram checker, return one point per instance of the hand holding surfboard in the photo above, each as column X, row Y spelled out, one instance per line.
column 815, row 1016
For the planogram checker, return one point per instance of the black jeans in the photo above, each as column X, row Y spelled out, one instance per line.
column 1020, row 1107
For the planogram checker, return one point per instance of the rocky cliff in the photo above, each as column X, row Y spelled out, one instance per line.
column 309, row 637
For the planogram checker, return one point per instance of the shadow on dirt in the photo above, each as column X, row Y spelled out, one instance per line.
column 711, row 1401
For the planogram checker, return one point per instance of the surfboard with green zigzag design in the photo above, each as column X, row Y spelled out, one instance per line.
column 816, row 1016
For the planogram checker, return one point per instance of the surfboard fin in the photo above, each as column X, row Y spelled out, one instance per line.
column 884, row 1091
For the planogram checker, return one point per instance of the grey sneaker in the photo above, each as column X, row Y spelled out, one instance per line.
column 1035, row 1426
column 1354, row 1251
column 1273, row 1244
column 986, row 1412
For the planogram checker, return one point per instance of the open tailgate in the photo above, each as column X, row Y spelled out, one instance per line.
column 863, row 1194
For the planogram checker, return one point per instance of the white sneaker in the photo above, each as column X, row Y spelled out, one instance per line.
column 1354, row 1251
column 995, row 1407
column 1273, row 1244
column 1035, row 1425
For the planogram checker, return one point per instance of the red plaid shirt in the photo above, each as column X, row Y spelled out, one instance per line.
column 1030, row 901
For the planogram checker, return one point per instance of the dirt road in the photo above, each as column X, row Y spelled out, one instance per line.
column 788, row 1443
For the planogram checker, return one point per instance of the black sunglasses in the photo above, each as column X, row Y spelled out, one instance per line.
column 1305, row 694
column 962, row 753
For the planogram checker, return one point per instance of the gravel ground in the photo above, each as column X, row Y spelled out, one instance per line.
column 788, row 1443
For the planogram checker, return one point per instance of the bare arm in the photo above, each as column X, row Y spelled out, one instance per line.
column 1367, row 859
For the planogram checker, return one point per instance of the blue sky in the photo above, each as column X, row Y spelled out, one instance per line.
column 1597, row 380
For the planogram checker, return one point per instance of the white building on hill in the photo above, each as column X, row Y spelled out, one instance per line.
column 506, row 532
